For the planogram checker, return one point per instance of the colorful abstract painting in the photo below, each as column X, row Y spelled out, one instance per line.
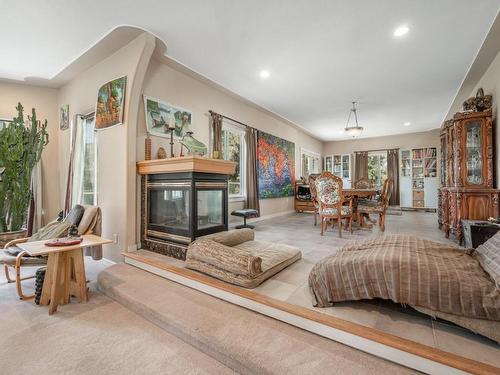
column 110, row 103
column 275, row 166
column 160, row 114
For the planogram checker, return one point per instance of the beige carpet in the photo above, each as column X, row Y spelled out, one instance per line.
column 246, row 341
column 100, row 337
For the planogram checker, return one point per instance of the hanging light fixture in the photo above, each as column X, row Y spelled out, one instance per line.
column 353, row 131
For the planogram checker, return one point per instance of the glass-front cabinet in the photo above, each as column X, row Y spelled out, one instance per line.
column 473, row 152
column 340, row 165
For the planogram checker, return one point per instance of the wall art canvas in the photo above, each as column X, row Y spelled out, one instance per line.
column 110, row 103
column 64, row 117
column 275, row 166
column 160, row 114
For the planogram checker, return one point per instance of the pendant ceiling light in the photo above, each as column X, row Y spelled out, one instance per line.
column 356, row 130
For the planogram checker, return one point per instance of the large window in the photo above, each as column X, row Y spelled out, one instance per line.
column 84, row 162
column 233, row 148
column 310, row 163
column 377, row 167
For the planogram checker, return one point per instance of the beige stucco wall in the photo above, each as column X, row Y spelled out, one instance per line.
column 402, row 141
column 166, row 83
column 490, row 82
column 116, row 160
column 44, row 100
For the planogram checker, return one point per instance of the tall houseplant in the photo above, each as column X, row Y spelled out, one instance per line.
column 21, row 145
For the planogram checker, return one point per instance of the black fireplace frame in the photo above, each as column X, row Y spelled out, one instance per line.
column 172, row 244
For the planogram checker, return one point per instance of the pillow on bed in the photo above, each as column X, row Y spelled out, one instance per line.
column 488, row 255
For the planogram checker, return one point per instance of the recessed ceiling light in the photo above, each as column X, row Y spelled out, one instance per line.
column 264, row 74
column 400, row 31
column 407, row 124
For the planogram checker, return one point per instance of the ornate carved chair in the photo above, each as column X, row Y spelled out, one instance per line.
column 314, row 195
column 363, row 183
column 331, row 201
column 378, row 207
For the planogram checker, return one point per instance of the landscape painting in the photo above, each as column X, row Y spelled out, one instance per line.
column 110, row 103
column 275, row 166
column 64, row 117
column 159, row 115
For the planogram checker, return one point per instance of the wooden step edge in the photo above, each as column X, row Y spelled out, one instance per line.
column 412, row 347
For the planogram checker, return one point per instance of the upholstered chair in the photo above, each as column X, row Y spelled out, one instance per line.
column 314, row 195
column 331, row 201
column 363, row 183
column 378, row 207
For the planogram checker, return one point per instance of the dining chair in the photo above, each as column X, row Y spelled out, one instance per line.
column 378, row 207
column 314, row 194
column 363, row 183
column 331, row 201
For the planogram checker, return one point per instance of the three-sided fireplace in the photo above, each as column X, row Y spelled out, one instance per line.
column 180, row 206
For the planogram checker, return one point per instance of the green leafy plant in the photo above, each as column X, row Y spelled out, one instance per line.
column 21, row 145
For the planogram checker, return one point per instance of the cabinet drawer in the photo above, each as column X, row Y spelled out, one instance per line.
column 418, row 195
column 418, row 204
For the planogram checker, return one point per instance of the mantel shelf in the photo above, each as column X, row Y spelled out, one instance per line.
column 186, row 164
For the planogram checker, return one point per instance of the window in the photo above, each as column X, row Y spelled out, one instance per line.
column 233, row 149
column 310, row 163
column 377, row 167
column 84, row 162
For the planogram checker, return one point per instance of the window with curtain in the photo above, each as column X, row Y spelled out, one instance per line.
column 84, row 189
column 310, row 163
column 377, row 168
column 233, row 149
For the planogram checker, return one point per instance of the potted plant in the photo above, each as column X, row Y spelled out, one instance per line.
column 21, row 145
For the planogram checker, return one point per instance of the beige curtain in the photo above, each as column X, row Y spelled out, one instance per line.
column 393, row 172
column 252, row 200
column 216, row 121
column 360, row 165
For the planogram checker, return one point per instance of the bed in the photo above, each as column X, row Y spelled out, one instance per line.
column 437, row 279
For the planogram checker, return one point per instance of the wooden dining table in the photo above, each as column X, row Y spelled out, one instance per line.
column 355, row 194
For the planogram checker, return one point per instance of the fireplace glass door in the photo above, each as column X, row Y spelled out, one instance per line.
column 169, row 208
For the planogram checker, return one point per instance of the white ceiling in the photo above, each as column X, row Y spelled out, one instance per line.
column 321, row 54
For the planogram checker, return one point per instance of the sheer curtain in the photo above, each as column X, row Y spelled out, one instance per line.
column 81, row 187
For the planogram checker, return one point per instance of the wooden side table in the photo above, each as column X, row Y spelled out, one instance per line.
column 65, row 275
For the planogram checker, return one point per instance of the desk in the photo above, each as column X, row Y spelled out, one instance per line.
column 65, row 274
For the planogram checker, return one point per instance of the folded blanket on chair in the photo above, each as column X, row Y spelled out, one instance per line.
column 227, row 258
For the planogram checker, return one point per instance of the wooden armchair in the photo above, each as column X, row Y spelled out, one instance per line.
column 363, row 183
column 22, row 259
column 378, row 207
column 314, row 194
column 331, row 202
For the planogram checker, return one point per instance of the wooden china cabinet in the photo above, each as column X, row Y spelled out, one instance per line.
column 467, row 177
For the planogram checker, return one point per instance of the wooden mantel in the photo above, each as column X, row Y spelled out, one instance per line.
column 186, row 164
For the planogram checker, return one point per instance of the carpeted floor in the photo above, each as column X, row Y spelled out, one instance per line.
column 100, row 337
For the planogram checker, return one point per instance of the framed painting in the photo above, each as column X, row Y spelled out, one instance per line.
column 110, row 103
column 160, row 114
column 275, row 166
column 64, row 117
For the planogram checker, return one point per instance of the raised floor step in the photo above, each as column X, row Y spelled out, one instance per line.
column 245, row 341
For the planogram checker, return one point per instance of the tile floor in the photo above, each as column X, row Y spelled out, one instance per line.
column 291, row 285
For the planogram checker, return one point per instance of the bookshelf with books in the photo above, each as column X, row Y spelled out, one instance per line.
column 418, row 178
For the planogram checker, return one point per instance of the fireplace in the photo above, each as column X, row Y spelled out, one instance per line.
column 179, row 206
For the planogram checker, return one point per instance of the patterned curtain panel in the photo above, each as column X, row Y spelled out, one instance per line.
column 393, row 171
column 252, row 200
column 360, row 165
column 216, row 120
